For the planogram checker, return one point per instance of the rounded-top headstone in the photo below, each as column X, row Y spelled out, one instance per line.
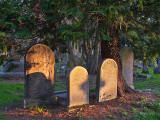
column 39, row 71
column 78, row 87
column 108, row 80
column 127, row 59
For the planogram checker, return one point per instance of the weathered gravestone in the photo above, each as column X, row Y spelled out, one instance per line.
column 107, row 84
column 78, row 89
column 127, row 59
column 39, row 73
column 13, row 70
column 14, row 66
column 157, row 69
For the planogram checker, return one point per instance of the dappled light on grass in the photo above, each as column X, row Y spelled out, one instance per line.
column 152, row 83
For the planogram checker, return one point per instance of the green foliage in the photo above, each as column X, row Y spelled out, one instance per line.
column 149, row 105
column 147, row 116
column 143, row 99
column 134, row 110
column 133, row 34
column 2, row 34
column 125, row 114
column 153, row 114
column 62, row 21
column 39, row 109
column 139, row 104
column 145, row 109
column 110, row 117
column 106, row 37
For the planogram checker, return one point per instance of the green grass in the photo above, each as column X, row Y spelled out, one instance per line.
column 2, row 118
column 153, row 112
column 13, row 92
column 152, row 83
column 10, row 93
column 60, row 86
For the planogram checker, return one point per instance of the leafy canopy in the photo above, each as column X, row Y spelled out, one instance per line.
column 57, row 21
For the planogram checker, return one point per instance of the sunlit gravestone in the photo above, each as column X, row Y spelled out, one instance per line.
column 78, row 91
column 39, row 73
column 127, row 59
column 107, row 84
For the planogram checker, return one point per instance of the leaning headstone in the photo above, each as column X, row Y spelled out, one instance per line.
column 78, row 93
column 127, row 59
column 39, row 73
column 107, row 84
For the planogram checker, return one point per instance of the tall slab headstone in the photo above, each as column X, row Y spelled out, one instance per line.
column 78, row 93
column 107, row 84
column 39, row 72
column 127, row 59
column 157, row 68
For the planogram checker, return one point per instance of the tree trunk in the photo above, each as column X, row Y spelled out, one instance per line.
column 110, row 49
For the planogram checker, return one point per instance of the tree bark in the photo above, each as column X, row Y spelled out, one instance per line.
column 110, row 49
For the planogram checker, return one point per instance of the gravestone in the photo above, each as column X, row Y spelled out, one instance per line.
column 14, row 66
column 127, row 59
column 78, row 89
column 39, row 73
column 13, row 70
column 107, row 84
column 157, row 68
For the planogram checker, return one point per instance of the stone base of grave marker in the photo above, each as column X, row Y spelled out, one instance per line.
column 28, row 102
column 61, row 97
column 38, row 86
column 38, row 89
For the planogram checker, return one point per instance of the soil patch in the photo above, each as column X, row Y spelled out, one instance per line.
column 119, row 109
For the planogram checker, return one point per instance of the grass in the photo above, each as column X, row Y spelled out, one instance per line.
column 153, row 112
column 2, row 117
column 60, row 86
column 14, row 92
column 152, row 83
column 10, row 93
